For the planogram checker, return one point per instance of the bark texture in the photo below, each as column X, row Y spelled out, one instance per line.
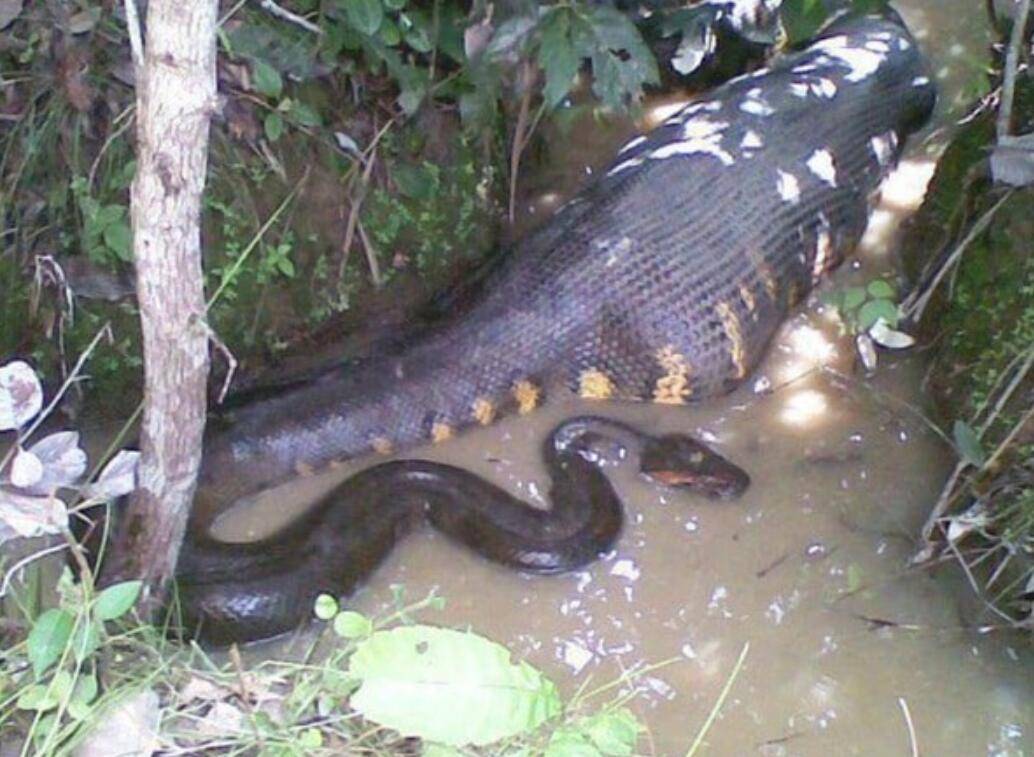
column 176, row 90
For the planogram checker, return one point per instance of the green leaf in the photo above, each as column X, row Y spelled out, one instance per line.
column 310, row 738
column 409, row 100
column 968, row 444
column 352, row 625
column 621, row 61
column 880, row 288
column 286, row 266
column 557, row 57
column 416, row 30
column 83, row 694
column 119, row 239
column 440, row 750
column 48, row 638
column 852, row 298
column 305, row 115
column 109, row 214
column 615, row 732
column 365, row 16
column 274, row 126
column 86, row 639
column 389, row 33
column 570, row 742
column 35, row 697
column 874, row 310
column 408, row 672
column 115, row 601
column 801, row 18
column 326, row 607
column 266, row 79
column 417, row 182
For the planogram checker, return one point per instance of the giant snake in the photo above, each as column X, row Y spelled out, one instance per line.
column 664, row 280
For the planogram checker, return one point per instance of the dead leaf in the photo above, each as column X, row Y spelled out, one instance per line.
column 130, row 727
column 9, row 11
column 21, row 395
column 118, row 477
column 22, row 515
column 26, row 469
column 64, row 462
column 890, row 338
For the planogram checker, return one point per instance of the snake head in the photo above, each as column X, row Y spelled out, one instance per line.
column 683, row 462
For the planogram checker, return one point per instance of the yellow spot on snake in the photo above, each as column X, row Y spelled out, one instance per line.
column 484, row 411
column 733, row 330
column 794, row 295
column 527, row 395
column 442, row 432
column 382, row 445
column 595, row 385
column 673, row 387
column 765, row 275
column 303, row 469
column 748, row 298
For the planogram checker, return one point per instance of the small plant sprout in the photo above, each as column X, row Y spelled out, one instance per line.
column 871, row 314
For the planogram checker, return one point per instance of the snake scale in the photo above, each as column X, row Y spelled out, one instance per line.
column 664, row 280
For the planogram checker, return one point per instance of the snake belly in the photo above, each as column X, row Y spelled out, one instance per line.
column 664, row 280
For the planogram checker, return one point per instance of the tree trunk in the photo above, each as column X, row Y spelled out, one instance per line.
column 176, row 96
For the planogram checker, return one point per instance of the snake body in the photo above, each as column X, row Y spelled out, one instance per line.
column 664, row 280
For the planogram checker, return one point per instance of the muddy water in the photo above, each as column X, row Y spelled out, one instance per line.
column 849, row 648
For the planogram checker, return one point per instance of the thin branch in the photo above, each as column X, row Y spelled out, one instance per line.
column 243, row 257
column 16, row 568
column 371, row 257
column 136, row 44
column 916, row 302
column 282, row 13
column 367, row 157
column 104, row 330
column 719, row 702
column 911, row 726
column 1012, row 54
column 231, row 361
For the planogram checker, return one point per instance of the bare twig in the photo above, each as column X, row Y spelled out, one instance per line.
column 948, row 493
column 282, row 13
column 28, row 559
column 522, row 133
column 911, row 726
column 136, row 44
column 368, row 158
column 702, row 733
column 371, row 257
column 1007, row 394
column 231, row 361
column 916, row 303
column 1012, row 54
column 126, row 116
column 104, row 331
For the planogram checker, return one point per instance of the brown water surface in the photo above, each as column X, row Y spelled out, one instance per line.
column 849, row 647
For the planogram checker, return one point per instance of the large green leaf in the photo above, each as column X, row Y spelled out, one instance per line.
column 365, row 16
column 447, row 686
column 557, row 57
column 968, row 444
column 115, row 601
column 47, row 640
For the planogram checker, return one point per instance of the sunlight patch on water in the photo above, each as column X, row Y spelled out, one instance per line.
column 804, row 407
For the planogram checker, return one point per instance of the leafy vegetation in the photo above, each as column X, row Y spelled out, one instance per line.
column 981, row 379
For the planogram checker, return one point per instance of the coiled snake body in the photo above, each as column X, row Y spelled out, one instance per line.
column 663, row 280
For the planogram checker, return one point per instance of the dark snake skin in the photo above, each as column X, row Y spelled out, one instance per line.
column 664, row 280
column 255, row 590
